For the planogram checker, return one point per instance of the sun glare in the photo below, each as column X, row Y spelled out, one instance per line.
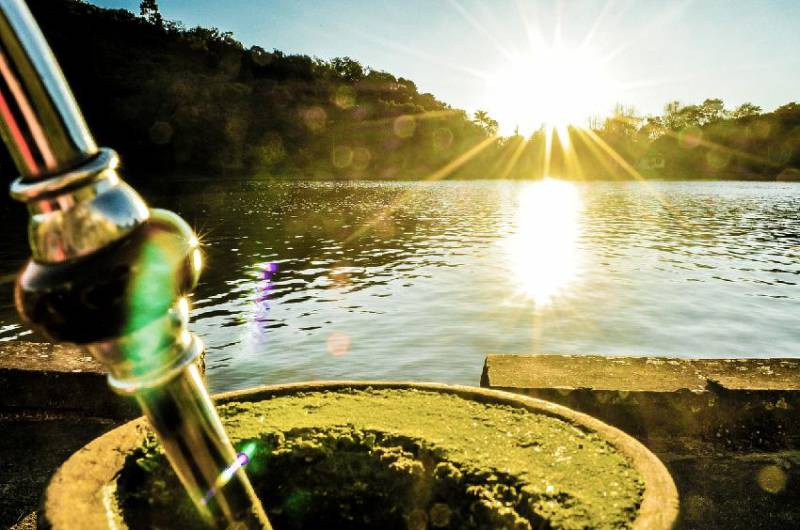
column 551, row 88
column 542, row 248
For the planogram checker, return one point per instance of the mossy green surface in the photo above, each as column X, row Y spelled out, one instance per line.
column 412, row 459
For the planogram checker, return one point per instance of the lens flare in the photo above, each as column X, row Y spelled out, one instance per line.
column 337, row 344
column 242, row 459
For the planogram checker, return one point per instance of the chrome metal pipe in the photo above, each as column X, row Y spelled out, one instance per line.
column 41, row 123
column 111, row 274
column 195, row 443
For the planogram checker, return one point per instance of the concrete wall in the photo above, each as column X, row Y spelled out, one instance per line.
column 53, row 400
column 727, row 429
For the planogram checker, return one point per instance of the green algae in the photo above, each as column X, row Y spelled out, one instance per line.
column 406, row 459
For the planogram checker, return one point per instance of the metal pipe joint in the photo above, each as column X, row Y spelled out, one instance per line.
column 109, row 273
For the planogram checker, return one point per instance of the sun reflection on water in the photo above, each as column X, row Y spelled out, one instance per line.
column 542, row 247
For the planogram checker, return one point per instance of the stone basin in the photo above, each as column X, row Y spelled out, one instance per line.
column 384, row 455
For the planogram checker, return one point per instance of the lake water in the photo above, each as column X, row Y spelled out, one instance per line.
column 405, row 280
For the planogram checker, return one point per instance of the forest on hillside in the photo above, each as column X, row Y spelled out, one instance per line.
column 196, row 102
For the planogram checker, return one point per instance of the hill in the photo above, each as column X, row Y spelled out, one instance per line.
column 192, row 102
column 195, row 101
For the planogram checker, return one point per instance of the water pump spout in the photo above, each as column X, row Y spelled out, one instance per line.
column 111, row 274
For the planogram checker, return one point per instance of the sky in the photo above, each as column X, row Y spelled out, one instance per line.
column 530, row 60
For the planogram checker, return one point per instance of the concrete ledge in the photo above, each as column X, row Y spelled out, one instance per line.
column 53, row 400
column 41, row 378
column 751, row 404
column 654, row 374
column 727, row 429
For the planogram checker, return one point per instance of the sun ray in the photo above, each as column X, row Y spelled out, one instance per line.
column 600, row 155
column 462, row 159
column 615, row 156
column 428, row 57
column 563, row 137
column 630, row 170
column 478, row 27
column 427, row 115
column 595, row 142
column 548, row 150
column 666, row 15
column 512, row 160
column 573, row 166
column 700, row 141
column 598, row 21
column 533, row 33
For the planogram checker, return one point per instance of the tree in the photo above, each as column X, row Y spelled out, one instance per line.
column 677, row 116
column 482, row 119
column 149, row 10
column 789, row 108
column 347, row 68
column 622, row 123
column 744, row 110
column 594, row 123
column 711, row 110
column 672, row 115
column 652, row 129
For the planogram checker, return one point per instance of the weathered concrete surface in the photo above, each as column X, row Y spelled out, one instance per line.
column 52, row 377
column 745, row 403
column 728, row 430
column 641, row 374
column 53, row 400
column 31, row 449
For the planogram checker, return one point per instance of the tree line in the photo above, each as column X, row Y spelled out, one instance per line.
column 707, row 140
column 196, row 102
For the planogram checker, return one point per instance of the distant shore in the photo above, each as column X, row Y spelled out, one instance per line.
column 192, row 101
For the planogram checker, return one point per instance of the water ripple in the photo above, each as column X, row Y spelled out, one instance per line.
column 415, row 279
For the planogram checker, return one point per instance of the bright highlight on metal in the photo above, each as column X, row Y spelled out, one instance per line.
column 242, row 459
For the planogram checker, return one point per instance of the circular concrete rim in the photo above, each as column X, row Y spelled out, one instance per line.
column 81, row 493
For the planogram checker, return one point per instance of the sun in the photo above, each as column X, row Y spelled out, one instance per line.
column 553, row 87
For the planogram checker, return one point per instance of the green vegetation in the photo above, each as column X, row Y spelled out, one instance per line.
column 701, row 141
column 400, row 459
column 195, row 101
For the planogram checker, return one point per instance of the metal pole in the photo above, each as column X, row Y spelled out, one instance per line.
column 111, row 274
column 41, row 123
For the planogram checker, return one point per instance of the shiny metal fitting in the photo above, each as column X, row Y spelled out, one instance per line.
column 152, row 356
column 77, row 212
column 110, row 274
